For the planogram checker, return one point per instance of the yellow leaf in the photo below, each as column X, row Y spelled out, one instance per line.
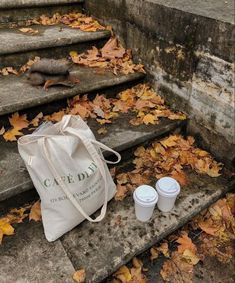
column 79, row 276
column 190, row 257
column 10, row 135
column 73, row 54
column 149, row 119
column 29, row 30
column 170, row 141
column 35, row 212
column 36, row 119
column 123, row 274
column 5, row 228
column 164, row 249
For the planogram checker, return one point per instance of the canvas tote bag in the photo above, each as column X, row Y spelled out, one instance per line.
column 68, row 170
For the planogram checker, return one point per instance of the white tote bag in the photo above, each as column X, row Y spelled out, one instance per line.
column 69, row 172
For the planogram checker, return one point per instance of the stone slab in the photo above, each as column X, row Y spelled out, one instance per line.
column 103, row 247
column 14, row 178
column 6, row 4
column 15, row 41
column 17, row 94
column 27, row 257
column 215, row 9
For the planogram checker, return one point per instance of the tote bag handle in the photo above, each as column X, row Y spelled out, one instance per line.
column 97, row 159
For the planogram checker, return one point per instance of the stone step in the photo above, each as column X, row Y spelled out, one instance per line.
column 101, row 248
column 18, row 11
column 16, row 47
column 121, row 136
column 14, row 87
column 5, row 4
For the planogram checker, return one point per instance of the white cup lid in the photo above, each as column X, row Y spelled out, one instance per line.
column 168, row 185
column 145, row 195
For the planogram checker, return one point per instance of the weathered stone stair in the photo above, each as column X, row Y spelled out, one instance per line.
column 99, row 248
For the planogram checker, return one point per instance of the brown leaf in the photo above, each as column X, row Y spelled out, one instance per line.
column 35, row 212
column 121, row 192
column 177, row 270
column 19, row 122
column 79, row 276
column 185, row 243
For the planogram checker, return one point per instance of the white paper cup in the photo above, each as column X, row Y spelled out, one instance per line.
column 145, row 198
column 168, row 190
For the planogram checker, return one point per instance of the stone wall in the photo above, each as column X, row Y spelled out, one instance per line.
column 187, row 48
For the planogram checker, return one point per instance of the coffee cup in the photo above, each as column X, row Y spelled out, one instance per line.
column 168, row 190
column 145, row 198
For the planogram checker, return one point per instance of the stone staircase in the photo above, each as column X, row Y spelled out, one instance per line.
column 99, row 248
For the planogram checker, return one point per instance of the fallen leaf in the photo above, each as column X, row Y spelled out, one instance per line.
column 154, row 253
column 149, row 119
column 19, row 122
column 190, row 257
column 29, row 30
column 35, row 212
column 163, row 248
column 102, row 131
column 36, row 119
column 185, row 243
column 10, row 135
column 123, row 274
column 79, row 276
column 5, row 228
column 177, row 270
column 2, row 131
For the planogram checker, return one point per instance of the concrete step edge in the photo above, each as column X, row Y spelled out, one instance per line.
column 13, row 41
column 103, row 247
column 13, row 87
column 121, row 136
column 6, row 4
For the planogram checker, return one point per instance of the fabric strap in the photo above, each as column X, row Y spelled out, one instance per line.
column 89, row 144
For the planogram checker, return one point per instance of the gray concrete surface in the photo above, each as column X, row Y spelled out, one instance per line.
column 13, row 87
column 4, row 4
column 187, row 48
column 101, row 248
column 27, row 257
column 15, row 41
column 14, row 178
column 222, row 10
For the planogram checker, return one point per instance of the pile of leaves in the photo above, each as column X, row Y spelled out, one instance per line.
column 141, row 100
column 112, row 56
column 167, row 157
column 184, row 249
column 74, row 20
column 33, row 212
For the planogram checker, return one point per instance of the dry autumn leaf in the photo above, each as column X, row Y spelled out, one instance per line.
column 177, row 270
column 2, row 131
column 79, row 276
column 102, row 131
column 11, row 135
column 5, row 228
column 35, row 212
column 29, row 30
column 19, row 122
